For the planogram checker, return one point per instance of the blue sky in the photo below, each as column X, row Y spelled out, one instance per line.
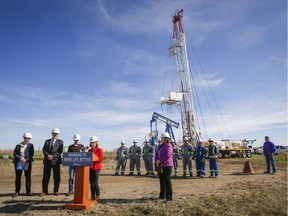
column 98, row 67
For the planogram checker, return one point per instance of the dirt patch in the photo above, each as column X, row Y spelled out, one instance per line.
column 128, row 190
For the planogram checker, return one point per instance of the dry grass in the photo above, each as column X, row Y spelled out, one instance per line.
column 237, row 198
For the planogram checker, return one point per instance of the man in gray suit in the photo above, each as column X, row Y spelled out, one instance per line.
column 52, row 151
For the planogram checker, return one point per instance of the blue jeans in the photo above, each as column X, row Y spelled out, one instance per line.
column 71, row 177
column 270, row 161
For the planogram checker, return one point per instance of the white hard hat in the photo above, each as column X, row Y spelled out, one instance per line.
column 122, row 142
column 199, row 141
column 165, row 135
column 27, row 135
column 135, row 141
column 76, row 137
column 172, row 141
column 185, row 139
column 147, row 140
column 94, row 139
column 56, row 130
column 210, row 140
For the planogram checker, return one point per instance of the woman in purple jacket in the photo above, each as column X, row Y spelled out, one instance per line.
column 164, row 159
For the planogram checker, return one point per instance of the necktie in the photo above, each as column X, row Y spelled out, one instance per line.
column 51, row 144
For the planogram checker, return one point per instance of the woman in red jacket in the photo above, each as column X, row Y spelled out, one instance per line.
column 95, row 169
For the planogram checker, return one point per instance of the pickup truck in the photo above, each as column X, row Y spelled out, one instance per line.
column 280, row 149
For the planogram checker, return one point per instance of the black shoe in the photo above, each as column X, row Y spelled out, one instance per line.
column 93, row 197
column 138, row 173
column 152, row 173
column 15, row 195
column 28, row 194
column 43, row 194
column 130, row 174
column 147, row 173
column 122, row 173
column 97, row 198
column 267, row 172
column 56, row 193
column 69, row 193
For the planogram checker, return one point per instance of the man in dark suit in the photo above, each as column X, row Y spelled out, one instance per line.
column 52, row 151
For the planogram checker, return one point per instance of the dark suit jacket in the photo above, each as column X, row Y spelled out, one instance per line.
column 28, row 154
column 55, row 152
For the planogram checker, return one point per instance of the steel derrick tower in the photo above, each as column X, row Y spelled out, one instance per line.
column 179, row 50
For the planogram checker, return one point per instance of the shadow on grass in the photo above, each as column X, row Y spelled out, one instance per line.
column 126, row 201
column 19, row 206
column 247, row 174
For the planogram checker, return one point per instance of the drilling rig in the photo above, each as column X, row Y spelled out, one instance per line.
column 183, row 98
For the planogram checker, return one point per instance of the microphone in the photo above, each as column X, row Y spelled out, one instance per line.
column 84, row 149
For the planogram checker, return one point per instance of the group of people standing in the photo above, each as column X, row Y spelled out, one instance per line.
column 186, row 152
column 134, row 154
column 52, row 150
column 165, row 159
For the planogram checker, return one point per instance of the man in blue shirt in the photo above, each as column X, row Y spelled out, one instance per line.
column 268, row 151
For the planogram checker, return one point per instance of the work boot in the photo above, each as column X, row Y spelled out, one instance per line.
column 152, row 173
column 131, row 173
column 147, row 173
column 138, row 173
column 116, row 173
column 28, row 194
column 122, row 173
column 184, row 174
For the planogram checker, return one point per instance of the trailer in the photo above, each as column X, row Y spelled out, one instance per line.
column 235, row 148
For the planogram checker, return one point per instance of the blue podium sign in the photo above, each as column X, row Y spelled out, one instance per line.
column 77, row 159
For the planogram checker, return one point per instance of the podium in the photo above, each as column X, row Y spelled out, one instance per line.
column 83, row 161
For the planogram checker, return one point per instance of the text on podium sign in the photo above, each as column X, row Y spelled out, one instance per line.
column 77, row 159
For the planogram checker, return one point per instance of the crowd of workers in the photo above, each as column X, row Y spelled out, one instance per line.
column 186, row 152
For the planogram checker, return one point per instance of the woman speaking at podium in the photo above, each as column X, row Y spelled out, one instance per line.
column 96, row 167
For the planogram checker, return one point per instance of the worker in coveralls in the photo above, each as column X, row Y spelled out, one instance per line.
column 135, row 154
column 213, row 157
column 148, row 154
column 200, row 156
column 175, row 157
column 121, row 157
column 187, row 153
